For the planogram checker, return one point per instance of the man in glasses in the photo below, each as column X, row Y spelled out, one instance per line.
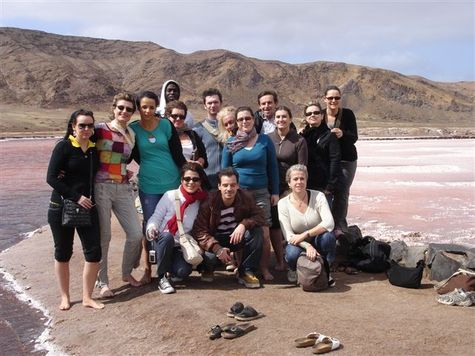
column 230, row 221
column 207, row 130
column 170, row 92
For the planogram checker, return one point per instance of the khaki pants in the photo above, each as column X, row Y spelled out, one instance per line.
column 118, row 198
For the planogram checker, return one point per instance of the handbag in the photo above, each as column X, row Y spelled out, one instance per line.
column 74, row 215
column 406, row 277
column 312, row 275
column 189, row 247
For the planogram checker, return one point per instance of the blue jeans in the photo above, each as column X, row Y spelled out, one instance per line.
column 324, row 243
column 149, row 203
column 170, row 258
column 251, row 245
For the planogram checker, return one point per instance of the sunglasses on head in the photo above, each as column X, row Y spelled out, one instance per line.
column 194, row 179
column 314, row 113
column 330, row 98
column 177, row 117
column 126, row 108
column 84, row 126
column 241, row 119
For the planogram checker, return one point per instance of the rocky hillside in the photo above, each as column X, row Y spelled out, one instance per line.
column 53, row 71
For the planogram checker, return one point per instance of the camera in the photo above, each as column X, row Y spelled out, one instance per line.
column 152, row 257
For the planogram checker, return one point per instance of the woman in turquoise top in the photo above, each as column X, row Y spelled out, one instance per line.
column 159, row 154
column 254, row 158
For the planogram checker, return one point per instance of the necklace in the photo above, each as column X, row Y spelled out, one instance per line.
column 299, row 202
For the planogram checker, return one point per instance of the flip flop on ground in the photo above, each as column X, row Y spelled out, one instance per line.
column 247, row 314
column 309, row 340
column 237, row 330
column 235, row 309
column 326, row 345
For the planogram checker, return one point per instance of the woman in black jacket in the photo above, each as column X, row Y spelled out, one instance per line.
column 323, row 153
column 342, row 122
column 70, row 175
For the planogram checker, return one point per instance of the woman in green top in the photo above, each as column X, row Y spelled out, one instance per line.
column 159, row 154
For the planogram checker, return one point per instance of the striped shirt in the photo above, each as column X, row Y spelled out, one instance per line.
column 227, row 223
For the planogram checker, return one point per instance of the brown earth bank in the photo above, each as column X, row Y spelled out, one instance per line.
column 367, row 314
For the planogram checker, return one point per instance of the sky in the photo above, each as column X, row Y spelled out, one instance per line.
column 433, row 39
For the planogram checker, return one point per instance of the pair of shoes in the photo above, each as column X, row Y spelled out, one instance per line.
column 292, row 276
column 327, row 344
column 164, row 286
column 309, row 340
column 215, row 331
column 331, row 282
column 230, row 331
column 249, row 280
column 207, row 276
column 457, row 297
column 243, row 313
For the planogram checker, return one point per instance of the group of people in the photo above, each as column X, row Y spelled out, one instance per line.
column 241, row 180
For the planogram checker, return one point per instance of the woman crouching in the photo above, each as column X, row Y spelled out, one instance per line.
column 163, row 227
column 306, row 222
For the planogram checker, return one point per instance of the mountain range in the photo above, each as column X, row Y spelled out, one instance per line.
column 55, row 71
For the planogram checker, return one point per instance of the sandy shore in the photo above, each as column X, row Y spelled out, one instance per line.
column 367, row 314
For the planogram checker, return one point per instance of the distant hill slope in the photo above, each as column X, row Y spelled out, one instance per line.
column 53, row 71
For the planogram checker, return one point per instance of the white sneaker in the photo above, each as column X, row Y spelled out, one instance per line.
column 292, row 276
column 164, row 286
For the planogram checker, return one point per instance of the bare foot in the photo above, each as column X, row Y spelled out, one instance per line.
column 147, row 277
column 65, row 304
column 131, row 280
column 267, row 275
column 91, row 303
column 106, row 292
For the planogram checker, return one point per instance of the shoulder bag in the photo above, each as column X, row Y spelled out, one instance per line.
column 189, row 247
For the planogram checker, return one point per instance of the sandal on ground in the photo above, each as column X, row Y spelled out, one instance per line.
column 247, row 314
column 237, row 330
column 309, row 340
column 215, row 331
column 235, row 309
column 326, row 345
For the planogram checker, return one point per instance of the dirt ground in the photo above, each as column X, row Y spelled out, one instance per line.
column 367, row 314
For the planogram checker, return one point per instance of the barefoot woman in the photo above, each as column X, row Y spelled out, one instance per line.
column 69, row 173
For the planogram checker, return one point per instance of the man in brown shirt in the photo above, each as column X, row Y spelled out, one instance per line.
column 230, row 221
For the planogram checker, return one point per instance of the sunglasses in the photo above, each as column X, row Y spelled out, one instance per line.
column 84, row 126
column 241, row 119
column 177, row 117
column 126, row 108
column 194, row 179
column 314, row 113
column 336, row 98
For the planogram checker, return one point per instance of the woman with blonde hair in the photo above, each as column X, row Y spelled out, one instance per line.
column 227, row 126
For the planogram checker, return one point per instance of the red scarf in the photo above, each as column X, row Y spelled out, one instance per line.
column 189, row 199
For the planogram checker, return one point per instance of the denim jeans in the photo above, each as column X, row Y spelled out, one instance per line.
column 149, row 203
column 252, row 250
column 341, row 197
column 324, row 243
column 170, row 258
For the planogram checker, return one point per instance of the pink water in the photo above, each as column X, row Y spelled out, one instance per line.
column 415, row 190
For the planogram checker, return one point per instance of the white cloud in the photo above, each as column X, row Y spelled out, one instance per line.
column 394, row 35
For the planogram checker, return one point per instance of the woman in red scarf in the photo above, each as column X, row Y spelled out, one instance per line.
column 163, row 227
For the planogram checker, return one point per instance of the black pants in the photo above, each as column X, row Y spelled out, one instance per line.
column 64, row 236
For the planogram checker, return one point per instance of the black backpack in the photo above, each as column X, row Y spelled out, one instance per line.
column 370, row 255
